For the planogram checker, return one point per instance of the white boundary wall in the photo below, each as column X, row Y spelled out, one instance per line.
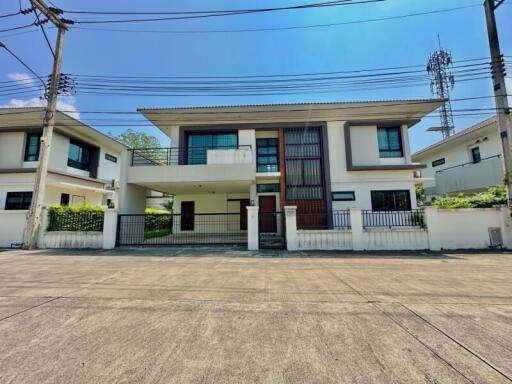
column 447, row 229
column 12, row 227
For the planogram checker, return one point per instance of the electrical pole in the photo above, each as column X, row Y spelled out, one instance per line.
column 34, row 216
column 500, row 91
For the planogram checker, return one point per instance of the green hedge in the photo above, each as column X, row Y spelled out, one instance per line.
column 493, row 196
column 157, row 219
column 81, row 218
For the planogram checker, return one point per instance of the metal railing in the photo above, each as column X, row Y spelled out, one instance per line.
column 177, row 155
column 182, row 229
column 469, row 163
column 324, row 220
column 389, row 219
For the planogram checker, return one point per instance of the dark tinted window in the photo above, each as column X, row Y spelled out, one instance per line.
column 265, row 188
column 266, row 156
column 344, row 196
column 200, row 143
column 390, row 142
column 391, row 200
column 475, row 155
column 18, row 200
column 79, row 155
column 64, row 199
column 32, row 147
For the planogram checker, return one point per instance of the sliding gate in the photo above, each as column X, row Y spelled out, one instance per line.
column 182, row 229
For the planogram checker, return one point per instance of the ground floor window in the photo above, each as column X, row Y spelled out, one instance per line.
column 391, row 200
column 18, row 200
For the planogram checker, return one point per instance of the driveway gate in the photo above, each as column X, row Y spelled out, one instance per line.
column 181, row 229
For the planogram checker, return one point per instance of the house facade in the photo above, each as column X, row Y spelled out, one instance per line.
column 322, row 158
column 467, row 162
column 84, row 165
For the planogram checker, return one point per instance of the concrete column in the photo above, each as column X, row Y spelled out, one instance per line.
column 506, row 227
column 253, row 233
column 42, row 228
column 431, row 220
column 292, row 241
column 109, row 229
column 253, row 194
column 356, row 222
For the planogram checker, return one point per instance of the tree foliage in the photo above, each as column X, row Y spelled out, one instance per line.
column 493, row 196
column 135, row 139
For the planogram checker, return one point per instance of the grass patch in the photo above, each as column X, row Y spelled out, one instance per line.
column 156, row 233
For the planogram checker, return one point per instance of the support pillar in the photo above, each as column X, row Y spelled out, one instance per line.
column 356, row 222
column 109, row 229
column 253, row 233
column 292, row 241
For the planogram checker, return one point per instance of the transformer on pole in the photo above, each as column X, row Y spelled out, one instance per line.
column 442, row 80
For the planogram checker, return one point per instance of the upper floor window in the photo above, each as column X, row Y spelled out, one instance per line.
column 266, row 155
column 200, row 143
column 475, row 155
column 18, row 200
column 391, row 200
column 390, row 142
column 79, row 155
column 32, row 146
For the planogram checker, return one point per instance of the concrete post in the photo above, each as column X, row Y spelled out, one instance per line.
column 109, row 229
column 356, row 223
column 506, row 227
column 292, row 241
column 432, row 228
column 42, row 228
column 253, row 233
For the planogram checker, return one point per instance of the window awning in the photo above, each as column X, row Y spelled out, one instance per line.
column 82, row 187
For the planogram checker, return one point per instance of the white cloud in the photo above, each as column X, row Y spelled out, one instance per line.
column 508, row 82
column 64, row 103
column 21, row 78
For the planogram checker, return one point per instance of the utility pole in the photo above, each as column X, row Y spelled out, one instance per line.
column 34, row 216
column 500, row 90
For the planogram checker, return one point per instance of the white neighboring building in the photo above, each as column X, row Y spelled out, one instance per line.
column 84, row 165
column 467, row 162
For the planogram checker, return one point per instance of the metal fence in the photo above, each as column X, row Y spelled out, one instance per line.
column 324, row 220
column 75, row 221
column 412, row 218
column 182, row 229
column 175, row 156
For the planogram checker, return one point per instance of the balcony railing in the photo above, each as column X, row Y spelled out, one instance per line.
column 390, row 219
column 240, row 154
column 469, row 163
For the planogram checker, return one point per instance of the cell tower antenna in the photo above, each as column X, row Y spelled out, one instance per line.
column 441, row 81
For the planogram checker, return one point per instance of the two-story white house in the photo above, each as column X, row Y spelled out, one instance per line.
column 84, row 165
column 467, row 162
column 320, row 157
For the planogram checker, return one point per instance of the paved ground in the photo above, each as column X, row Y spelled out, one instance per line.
column 83, row 317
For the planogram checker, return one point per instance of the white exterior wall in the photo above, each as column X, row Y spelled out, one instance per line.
column 12, row 145
column 12, row 227
column 363, row 182
column 325, row 240
column 395, row 239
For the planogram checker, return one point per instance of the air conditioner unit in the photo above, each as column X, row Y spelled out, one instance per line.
column 495, row 237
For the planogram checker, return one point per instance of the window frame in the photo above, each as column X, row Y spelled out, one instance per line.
column 408, row 202
column 85, row 148
column 25, row 203
column 195, row 157
column 438, row 162
column 383, row 151
column 353, row 198
column 27, row 146
column 274, row 166
column 475, row 160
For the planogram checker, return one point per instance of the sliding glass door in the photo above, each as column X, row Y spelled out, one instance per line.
column 200, row 143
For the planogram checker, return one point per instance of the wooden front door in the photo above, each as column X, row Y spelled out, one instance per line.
column 268, row 222
column 187, row 215
column 243, row 213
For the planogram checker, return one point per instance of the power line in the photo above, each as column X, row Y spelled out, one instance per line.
column 16, row 28
column 10, row 14
column 2, row 45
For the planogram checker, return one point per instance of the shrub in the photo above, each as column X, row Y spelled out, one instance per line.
column 157, row 219
column 80, row 218
column 493, row 196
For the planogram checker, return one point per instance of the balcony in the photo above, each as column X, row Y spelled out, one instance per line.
column 470, row 176
column 191, row 165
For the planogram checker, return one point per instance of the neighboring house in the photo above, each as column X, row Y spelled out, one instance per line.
column 321, row 157
column 467, row 162
column 156, row 200
column 84, row 165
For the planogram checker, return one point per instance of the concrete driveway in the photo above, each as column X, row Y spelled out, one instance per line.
column 103, row 317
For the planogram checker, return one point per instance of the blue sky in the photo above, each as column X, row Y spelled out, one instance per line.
column 358, row 46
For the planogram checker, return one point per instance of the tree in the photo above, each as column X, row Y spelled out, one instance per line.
column 135, row 139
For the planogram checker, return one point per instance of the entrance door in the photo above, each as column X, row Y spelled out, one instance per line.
column 243, row 213
column 268, row 214
column 187, row 215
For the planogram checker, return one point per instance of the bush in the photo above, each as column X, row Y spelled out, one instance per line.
column 81, row 218
column 493, row 196
column 157, row 219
